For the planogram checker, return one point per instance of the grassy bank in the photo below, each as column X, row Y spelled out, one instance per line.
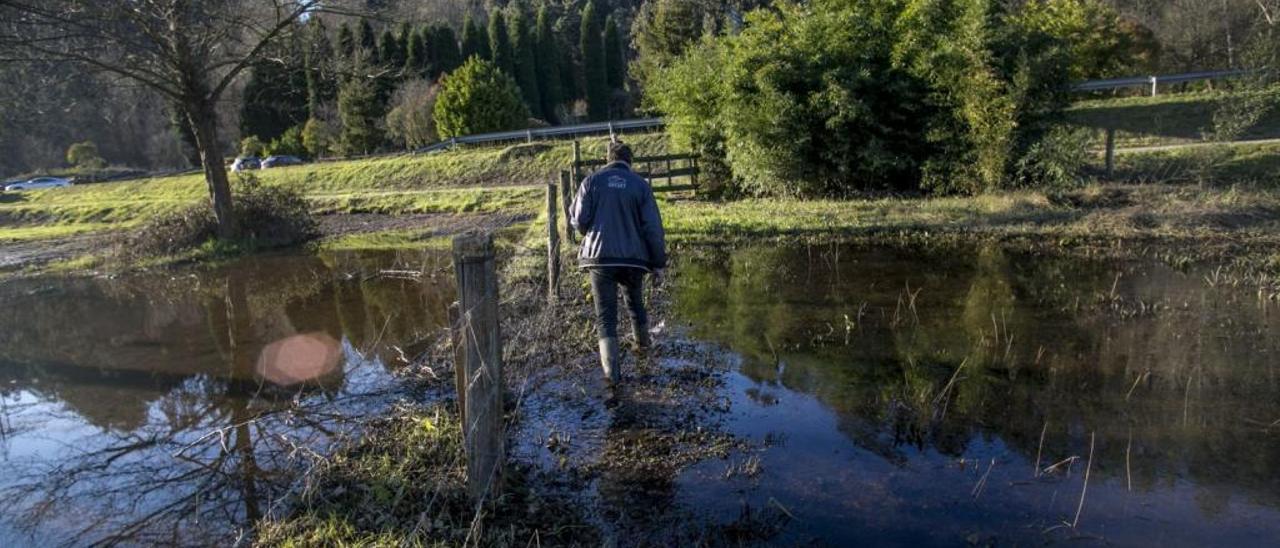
column 467, row 180
column 1164, row 120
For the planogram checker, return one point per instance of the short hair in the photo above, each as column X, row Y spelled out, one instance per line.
column 618, row 152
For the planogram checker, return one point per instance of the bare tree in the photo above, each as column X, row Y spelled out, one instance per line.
column 188, row 50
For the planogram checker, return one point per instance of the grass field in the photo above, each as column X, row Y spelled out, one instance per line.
column 475, row 180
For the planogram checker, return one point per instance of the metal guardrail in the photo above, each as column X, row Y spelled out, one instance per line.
column 1153, row 82
column 545, row 132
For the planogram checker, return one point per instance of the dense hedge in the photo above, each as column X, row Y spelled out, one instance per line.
column 833, row 97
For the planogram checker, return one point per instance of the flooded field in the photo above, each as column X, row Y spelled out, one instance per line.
column 176, row 408
column 982, row 395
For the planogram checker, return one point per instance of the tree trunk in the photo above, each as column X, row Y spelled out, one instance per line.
column 204, row 120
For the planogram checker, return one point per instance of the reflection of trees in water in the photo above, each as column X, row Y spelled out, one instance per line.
column 192, row 443
column 1041, row 339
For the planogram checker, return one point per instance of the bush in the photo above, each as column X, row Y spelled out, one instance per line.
column 836, row 97
column 288, row 143
column 252, row 146
column 478, row 98
column 85, row 156
column 269, row 217
column 410, row 121
column 318, row 138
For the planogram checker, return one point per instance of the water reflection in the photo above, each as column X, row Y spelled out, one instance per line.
column 897, row 377
column 175, row 409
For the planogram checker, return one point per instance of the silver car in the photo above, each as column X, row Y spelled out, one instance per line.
column 38, row 183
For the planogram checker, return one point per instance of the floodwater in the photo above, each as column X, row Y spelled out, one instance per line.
column 176, row 408
column 982, row 395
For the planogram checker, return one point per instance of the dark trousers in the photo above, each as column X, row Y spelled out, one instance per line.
column 604, row 291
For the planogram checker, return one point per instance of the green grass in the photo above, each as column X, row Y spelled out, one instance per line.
column 1211, row 165
column 464, row 180
column 1102, row 211
column 40, row 232
column 1164, row 119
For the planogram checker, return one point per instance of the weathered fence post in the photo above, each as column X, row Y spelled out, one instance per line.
column 566, row 192
column 459, row 358
column 553, row 244
column 1111, row 152
column 577, row 159
column 482, row 431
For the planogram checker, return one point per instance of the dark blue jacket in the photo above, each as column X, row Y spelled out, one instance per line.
column 618, row 217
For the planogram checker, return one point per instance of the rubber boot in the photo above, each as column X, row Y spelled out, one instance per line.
column 640, row 333
column 609, row 360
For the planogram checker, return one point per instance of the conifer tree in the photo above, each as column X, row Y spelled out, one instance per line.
column 319, row 61
column 444, row 45
column 474, row 42
column 526, row 67
column 614, row 62
column 366, row 40
column 548, row 61
column 390, row 53
column 417, row 60
column 500, row 43
column 360, row 111
column 595, row 80
column 346, row 41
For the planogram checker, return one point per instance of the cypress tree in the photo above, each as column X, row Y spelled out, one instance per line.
column 549, row 86
column 391, row 55
column 526, row 65
column 569, row 75
column 445, row 47
column 366, row 40
column 275, row 97
column 346, row 41
column 474, row 42
column 595, row 80
column 359, row 109
column 416, row 57
column 614, row 62
column 500, row 43
column 319, row 67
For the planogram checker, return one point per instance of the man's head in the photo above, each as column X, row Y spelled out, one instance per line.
column 618, row 152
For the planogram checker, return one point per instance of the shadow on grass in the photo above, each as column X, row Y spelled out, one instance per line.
column 11, row 198
column 1189, row 119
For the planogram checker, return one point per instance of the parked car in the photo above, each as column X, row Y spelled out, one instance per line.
column 39, row 182
column 279, row 161
column 245, row 163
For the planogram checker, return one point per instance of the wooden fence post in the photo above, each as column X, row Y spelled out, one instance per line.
column 577, row 159
column 456, row 343
column 483, row 431
column 1111, row 152
column 553, row 244
column 566, row 192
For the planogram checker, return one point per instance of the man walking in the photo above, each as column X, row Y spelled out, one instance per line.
column 622, row 241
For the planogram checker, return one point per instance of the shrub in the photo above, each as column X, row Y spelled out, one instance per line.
column 478, row 98
column 288, row 143
column 85, row 156
column 318, row 138
column 269, row 217
column 252, row 146
column 836, row 97
column 410, row 121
